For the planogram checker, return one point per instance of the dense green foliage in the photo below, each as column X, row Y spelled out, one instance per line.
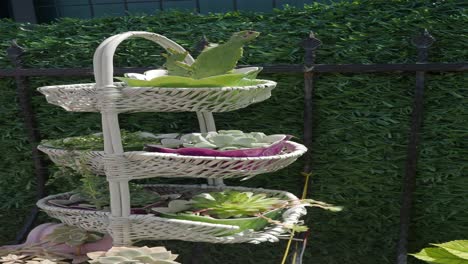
column 361, row 120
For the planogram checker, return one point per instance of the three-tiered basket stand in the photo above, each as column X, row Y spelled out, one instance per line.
column 120, row 167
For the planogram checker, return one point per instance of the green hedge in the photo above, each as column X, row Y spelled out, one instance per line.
column 362, row 119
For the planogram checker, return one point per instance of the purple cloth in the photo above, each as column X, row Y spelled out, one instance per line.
column 274, row 149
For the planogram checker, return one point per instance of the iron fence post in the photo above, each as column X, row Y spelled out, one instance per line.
column 14, row 53
column 310, row 45
column 422, row 42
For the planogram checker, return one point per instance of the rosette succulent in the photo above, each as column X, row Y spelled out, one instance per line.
column 24, row 259
column 224, row 140
column 12, row 259
column 135, row 255
column 226, row 204
column 229, row 204
column 245, row 210
column 72, row 236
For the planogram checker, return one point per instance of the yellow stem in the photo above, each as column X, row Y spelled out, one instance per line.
column 288, row 246
column 306, row 185
column 304, row 196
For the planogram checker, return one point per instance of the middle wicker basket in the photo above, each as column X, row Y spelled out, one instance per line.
column 140, row 164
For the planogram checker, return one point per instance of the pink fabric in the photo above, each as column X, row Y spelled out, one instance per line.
column 39, row 233
column 274, row 149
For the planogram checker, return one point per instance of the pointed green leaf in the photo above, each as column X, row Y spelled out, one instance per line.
column 439, row 256
column 173, row 63
column 223, row 58
column 458, row 248
column 422, row 255
column 251, row 72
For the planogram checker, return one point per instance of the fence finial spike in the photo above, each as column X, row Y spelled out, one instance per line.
column 423, row 40
column 201, row 44
column 14, row 52
column 311, row 42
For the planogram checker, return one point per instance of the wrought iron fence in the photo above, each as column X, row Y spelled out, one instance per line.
column 310, row 70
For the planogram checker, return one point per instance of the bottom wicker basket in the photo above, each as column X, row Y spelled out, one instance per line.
column 151, row 227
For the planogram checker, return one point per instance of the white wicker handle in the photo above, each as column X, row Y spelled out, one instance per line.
column 103, row 59
column 103, row 64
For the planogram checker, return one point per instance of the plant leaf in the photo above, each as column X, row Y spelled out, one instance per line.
column 171, row 64
column 439, row 256
column 224, row 80
column 458, row 248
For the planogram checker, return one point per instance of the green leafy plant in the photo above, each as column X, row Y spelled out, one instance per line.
column 130, row 141
column 95, row 190
column 209, row 64
column 453, row 252
column 137, row 255
column 208, row 70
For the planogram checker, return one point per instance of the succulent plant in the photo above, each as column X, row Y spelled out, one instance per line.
column 235, row 204
column 224, row 140
column 44, row 261
column 206, row 71
column 228, row 204
column 141, row 255
column 72, row 236
column 13, row 259
column 245, row 210
column 208, row 63
column 29, row 259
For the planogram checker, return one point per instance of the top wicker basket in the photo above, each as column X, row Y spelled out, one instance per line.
column 85, row 98
column 107, row 96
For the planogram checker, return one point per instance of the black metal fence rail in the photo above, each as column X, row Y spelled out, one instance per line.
column 279, row 68
column 309, row 69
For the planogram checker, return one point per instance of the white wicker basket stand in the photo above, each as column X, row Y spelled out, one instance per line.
column 120, row 167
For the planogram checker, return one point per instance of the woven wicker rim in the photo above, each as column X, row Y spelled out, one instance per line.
column 297, row 150
column 266, row 84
